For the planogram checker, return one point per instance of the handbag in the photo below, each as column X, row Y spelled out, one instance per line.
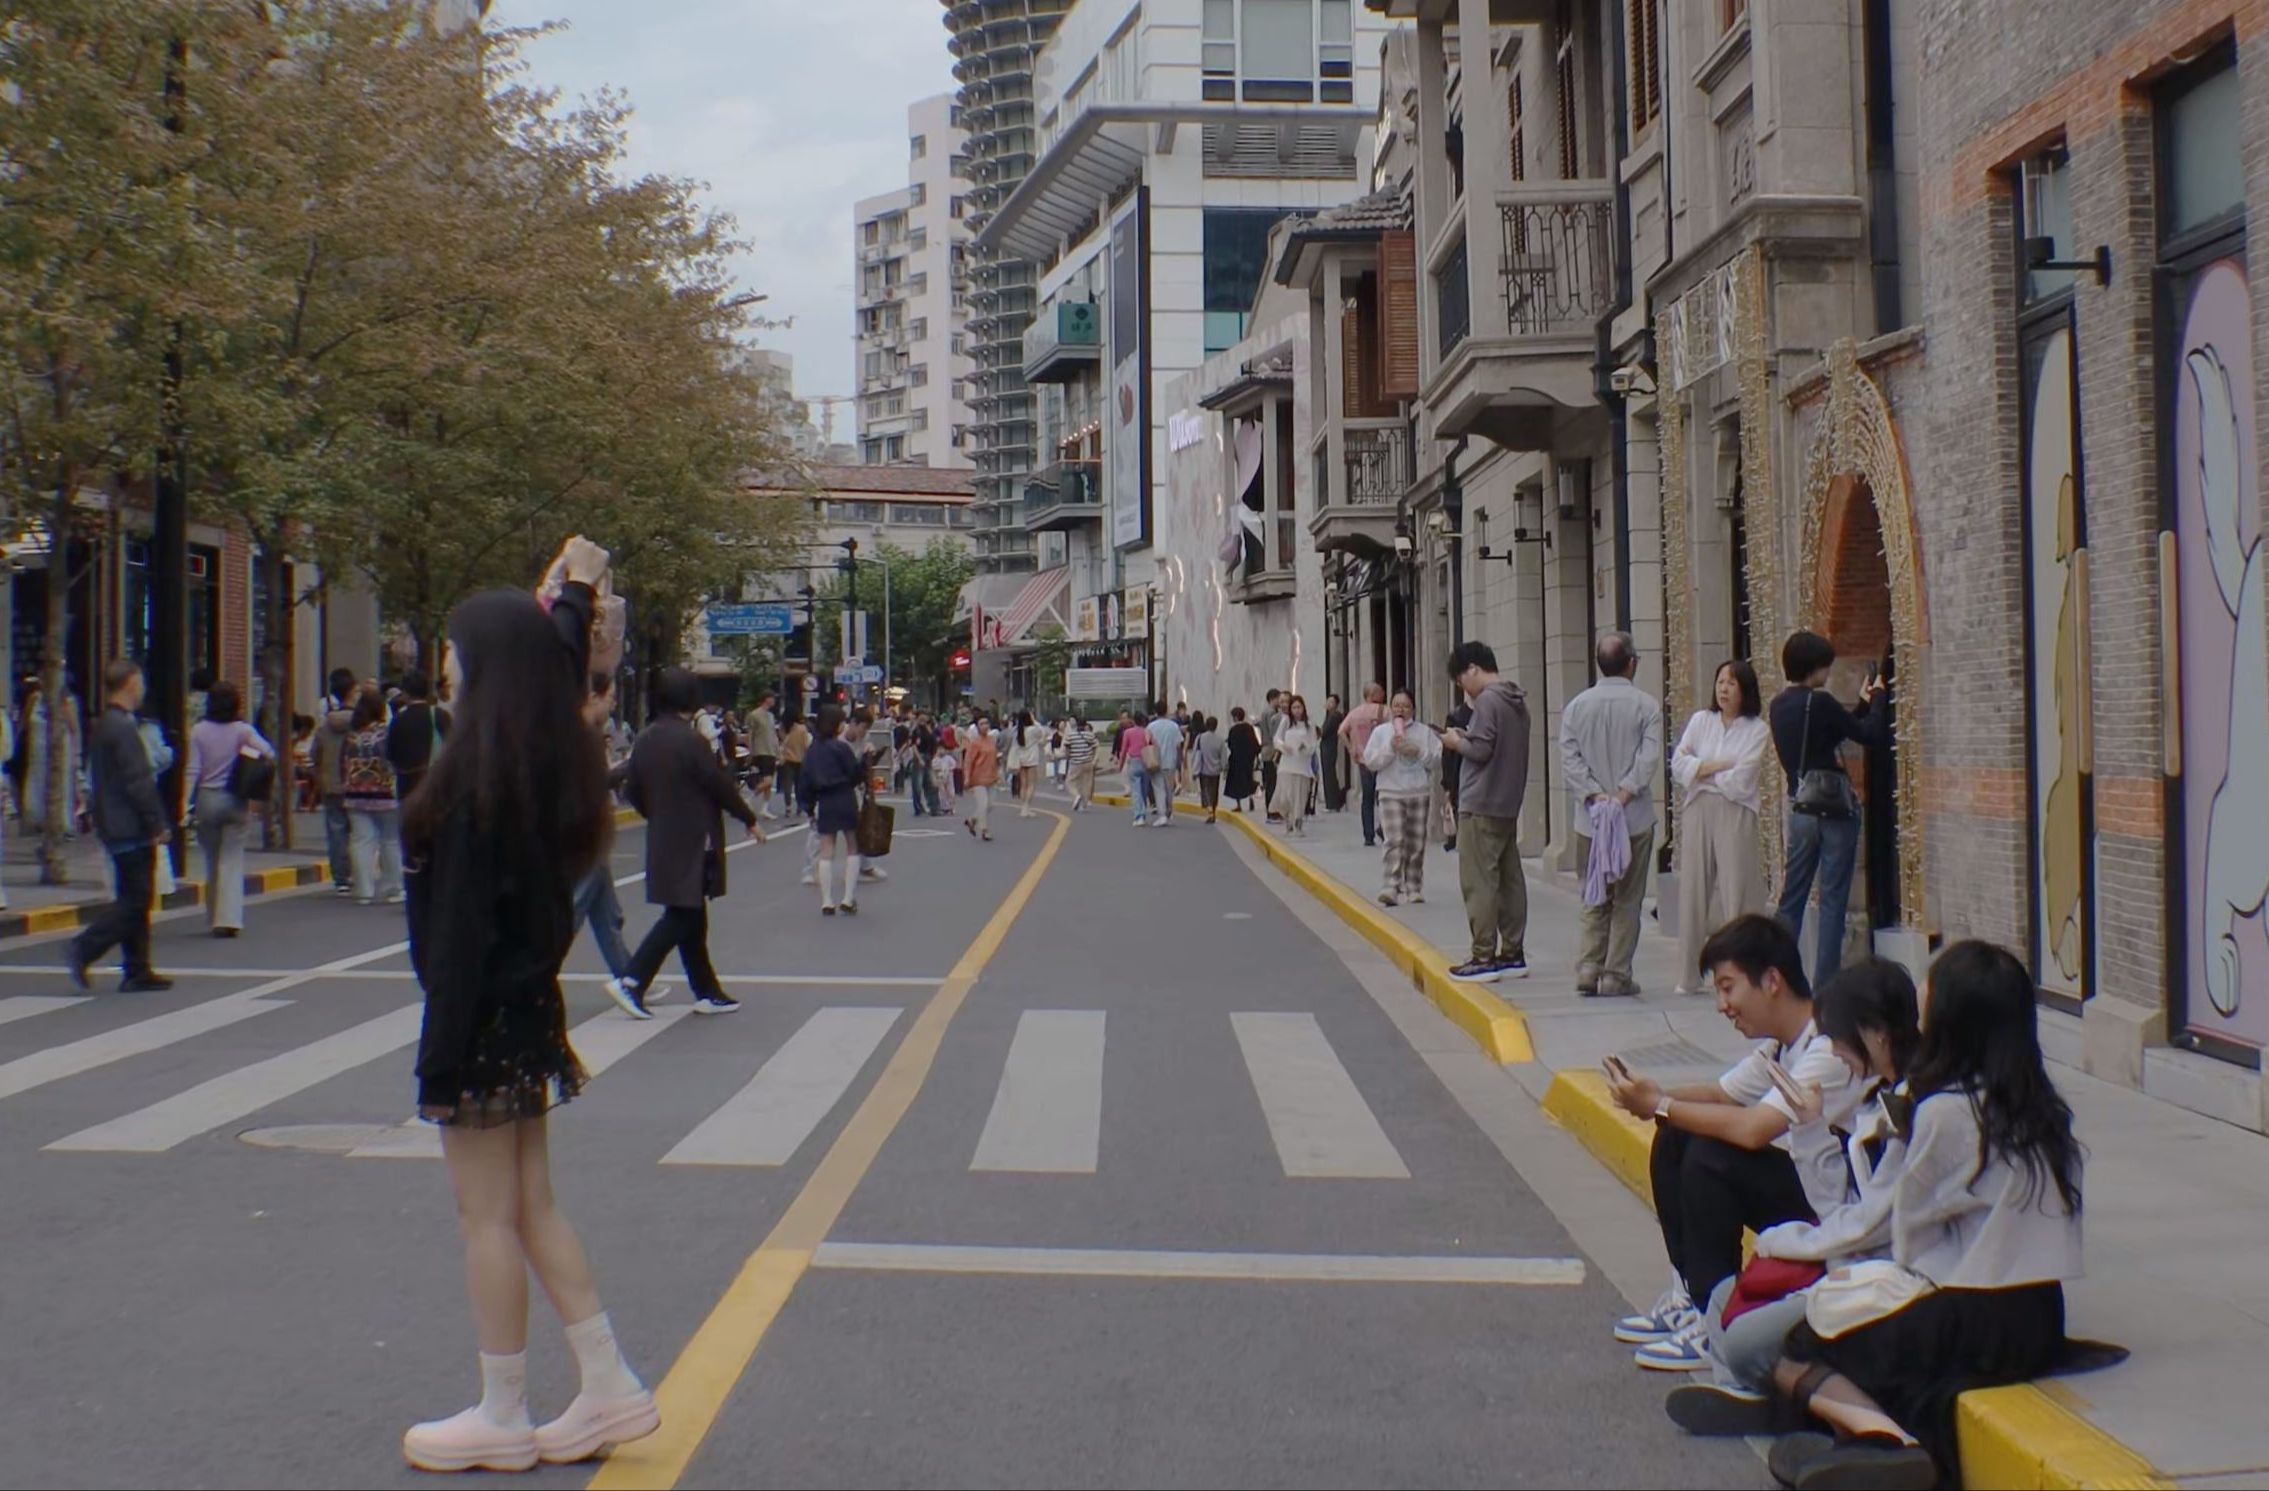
column 876, row 820
column 1763, row 1280
column 1821, row 792
column 251, row 777
column 1150, row 758
column 1861, row 1294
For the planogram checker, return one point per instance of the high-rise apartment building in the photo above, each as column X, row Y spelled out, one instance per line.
column 907, row 264
column 994, row 43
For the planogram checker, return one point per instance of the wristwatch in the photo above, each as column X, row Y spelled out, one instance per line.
column 1662, row 1110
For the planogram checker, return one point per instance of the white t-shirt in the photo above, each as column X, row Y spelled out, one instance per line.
column 1810, row 1058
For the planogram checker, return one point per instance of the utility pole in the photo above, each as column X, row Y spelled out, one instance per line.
column 168, row 639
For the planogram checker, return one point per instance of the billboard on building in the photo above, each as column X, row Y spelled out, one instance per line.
column 1128, row 420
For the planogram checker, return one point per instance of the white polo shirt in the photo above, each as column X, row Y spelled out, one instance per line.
column 1810, row 1058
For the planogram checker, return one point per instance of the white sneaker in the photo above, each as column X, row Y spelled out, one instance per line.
column 593, row 1425
column 469, row 1441
column 655, row 993
column 873, row 872
column 1664, row 1319
column 811, row 877
column 1688, row 1351
column 626, row 996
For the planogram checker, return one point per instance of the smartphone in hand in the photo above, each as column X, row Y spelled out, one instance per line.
column 1615, row 1069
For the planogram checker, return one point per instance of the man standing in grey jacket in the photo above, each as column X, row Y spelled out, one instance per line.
column 130, row 819
column 1610, row 749
column 1493, row 780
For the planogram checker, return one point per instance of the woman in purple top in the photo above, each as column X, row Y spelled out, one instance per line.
column 216, row 743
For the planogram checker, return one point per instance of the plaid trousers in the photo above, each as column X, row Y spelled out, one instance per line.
column 1403, row 827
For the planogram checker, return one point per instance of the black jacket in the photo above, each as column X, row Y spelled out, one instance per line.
column 127, row 811
column 411, row 740
column 1802, row 750
column 682, row 790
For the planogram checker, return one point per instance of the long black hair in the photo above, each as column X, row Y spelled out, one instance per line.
column 520, row 758
column 1870, row 994
column 1980, row 1037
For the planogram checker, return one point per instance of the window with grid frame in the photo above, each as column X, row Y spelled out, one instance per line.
column 1644, row 38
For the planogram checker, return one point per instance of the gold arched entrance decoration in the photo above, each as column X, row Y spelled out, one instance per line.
column 1857, row 437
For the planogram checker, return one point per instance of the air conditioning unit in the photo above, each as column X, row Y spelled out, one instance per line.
column 1079, row 324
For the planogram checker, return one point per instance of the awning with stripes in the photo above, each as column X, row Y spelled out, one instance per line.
column 1045, row 597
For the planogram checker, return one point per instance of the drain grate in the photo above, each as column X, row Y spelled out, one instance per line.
column 323, row 1138
column 1668, row 1054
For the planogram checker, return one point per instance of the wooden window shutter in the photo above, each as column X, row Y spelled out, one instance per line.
column 1644, row 38
column 1564, row 53
column 1398, row 315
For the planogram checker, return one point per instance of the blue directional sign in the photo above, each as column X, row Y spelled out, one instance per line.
column 752, row 619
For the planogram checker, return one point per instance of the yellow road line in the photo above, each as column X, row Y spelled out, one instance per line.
column 707, row 1370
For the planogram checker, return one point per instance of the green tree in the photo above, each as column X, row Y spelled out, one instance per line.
column 925, row 592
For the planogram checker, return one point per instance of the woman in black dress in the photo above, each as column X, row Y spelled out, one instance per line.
column 833, row 774
column 505, row 823
column 1244, row 758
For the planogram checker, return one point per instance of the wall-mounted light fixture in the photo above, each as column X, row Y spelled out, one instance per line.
column 2040, row 253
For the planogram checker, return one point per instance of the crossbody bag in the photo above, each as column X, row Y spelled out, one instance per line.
column 1825, row 791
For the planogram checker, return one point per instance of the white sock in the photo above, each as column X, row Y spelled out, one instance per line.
column 850, row 879
column 605, row 1373
column 504, row 1390
column 826, row 865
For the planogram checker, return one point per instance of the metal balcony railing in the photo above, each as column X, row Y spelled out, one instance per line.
column 1378, row 464
column 1073, row 485
column 1557, row 264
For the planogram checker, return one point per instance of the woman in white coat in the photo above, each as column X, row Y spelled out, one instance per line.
column 1718, row 765
column 1404, row 753
column 1297, row 740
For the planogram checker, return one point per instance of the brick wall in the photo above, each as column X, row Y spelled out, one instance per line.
column 236, row 609
column 2000, row 79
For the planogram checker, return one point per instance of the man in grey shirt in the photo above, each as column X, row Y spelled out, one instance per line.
column 1610, row 750
column 1492, row 783
column 1272, row 720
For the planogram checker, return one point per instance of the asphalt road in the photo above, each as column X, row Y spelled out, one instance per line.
column 1161, row 1092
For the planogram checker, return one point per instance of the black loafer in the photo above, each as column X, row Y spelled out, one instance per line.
column 1703, row 1408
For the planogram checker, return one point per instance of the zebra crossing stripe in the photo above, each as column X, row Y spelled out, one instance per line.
column 1316, row 1115
column 24, row 1006
column 143, row 1036
column 248, row 1089
column 767, row 1121
column 1047, row 1114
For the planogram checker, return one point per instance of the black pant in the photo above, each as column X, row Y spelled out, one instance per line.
column 125, row 922
column 1370, row 805
column 1706, row 1191
column 685, row 928
column 1335, row 796
column 1268, row 787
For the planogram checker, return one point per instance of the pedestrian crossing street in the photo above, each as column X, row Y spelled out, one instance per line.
column 1046, row 1116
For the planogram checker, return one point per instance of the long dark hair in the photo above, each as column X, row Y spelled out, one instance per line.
column 1980, row 1038
column 1871, row 994
column 223, row 704
column 520, row 758
column 370, row 709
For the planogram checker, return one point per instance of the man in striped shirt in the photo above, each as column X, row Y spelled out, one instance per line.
column 1079, row 755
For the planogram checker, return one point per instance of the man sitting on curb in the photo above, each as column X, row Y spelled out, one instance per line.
column 1722, row 1159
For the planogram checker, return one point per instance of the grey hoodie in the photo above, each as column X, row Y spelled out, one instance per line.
column 1495, row 775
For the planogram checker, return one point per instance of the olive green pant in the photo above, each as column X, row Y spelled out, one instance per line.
column 1495, row 886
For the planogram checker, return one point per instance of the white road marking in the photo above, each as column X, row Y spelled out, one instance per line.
column 599, row 1042
column 401, row 975
column 1047, row 1114
column 24, row 1006
column 791, row 1095
column 248, row 1089
column 1115, row 1263
column 1316, row 1116
column 58, row 1062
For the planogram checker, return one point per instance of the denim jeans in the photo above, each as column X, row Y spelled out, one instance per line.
column 1826, row 849
column 377, row 846
column 1162, row 792
column 1370, row 805
column 926, row 790
column 338, row 832
column 1138, row 790
column 596, row 903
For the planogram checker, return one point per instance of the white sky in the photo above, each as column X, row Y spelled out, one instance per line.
column 790, row 110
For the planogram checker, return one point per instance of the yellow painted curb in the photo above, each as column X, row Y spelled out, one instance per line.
column 1495, row 1026
column 2016, row 1438
column 51, row 918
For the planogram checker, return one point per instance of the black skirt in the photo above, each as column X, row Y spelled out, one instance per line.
column 1915, row 1364
column 521, row 1066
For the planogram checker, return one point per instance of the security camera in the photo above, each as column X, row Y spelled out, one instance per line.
column 1630, row 379
column 1438, row 521
column 1402, row 543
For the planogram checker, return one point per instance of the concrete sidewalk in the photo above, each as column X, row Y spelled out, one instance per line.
column 33, row 907
column 2177, row 1204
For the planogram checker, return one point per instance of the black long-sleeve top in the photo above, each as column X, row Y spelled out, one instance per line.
column 1832, row 724
column 491, row 916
